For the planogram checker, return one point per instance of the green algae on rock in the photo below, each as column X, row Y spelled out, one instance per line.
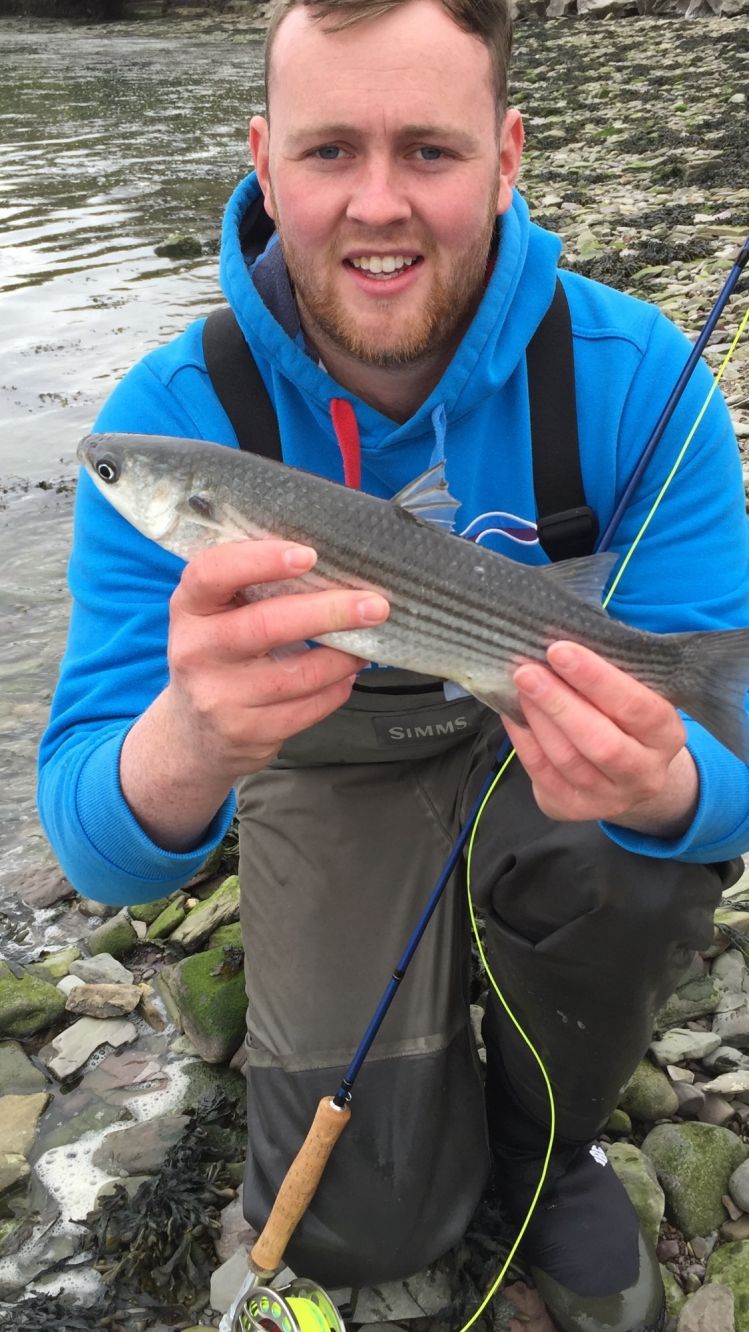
column 729, row 1266
column 649, row 1094
column 209, row 1006
column 639, row 1178
column 694, row 1163
column 27, row 1003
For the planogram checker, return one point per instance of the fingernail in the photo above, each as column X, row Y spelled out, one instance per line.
column 530, row 683
column 373, row 610
column 299, row 558
column 563, row 656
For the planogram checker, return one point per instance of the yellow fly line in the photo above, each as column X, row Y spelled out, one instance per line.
column 484, row 962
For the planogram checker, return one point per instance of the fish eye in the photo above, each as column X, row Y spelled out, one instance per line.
column 200, row 505
column 108, row 470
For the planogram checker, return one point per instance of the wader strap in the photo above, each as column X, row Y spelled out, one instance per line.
column 239, row 386
column 567, row 527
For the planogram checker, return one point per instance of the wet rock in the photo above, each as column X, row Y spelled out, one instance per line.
column 693, row 1163
column 227, row 936
column 729, row 971
column 680, row 1044
column 619, row 1122
column 729, row 1266
column 102, row 970
column 218, row 909
column 168, row 919
column 639, row 1178
column 691, row 1100
column 53, row 967
column 201, row 1081
column 148, row 911
column 710, row 1309
column 130, row 1183
column 715, row 1110
column 115, row 937
column 27, row 1004
column 19, row 1116
column 17, row 1073
column 140, row 1149
column 88, row 907
column 179, row 245
column 103, row 1001
column 72, row 1048
column 43, row 887
column 725, row 1059
column 731, row 1021
column 68, row 984
column 729, row 1084
column 92, row 1119
column 692, row 1000
column 209, row 1004
column 649, row 1094
column 227, row 1279
column 677, row 1074
column 675, row 1296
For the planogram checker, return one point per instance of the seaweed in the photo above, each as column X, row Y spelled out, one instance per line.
column 160, row 1242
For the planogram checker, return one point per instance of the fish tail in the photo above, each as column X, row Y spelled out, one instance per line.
column 713, row 685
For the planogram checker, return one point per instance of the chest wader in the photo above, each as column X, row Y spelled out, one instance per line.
column 343, row 838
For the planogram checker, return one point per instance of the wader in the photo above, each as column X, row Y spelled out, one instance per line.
column 338, row 858
column 342, row 841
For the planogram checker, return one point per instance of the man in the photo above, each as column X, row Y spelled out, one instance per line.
column 390, row 316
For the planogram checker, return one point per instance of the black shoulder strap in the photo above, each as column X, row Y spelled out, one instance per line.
column 239, row 386
column 567, row 527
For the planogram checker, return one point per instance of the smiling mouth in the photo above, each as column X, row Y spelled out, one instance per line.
column 383, row 267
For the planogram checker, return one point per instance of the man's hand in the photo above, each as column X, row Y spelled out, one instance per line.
column 600, row 745
column 229, row 704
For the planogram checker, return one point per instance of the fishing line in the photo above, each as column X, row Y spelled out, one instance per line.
column 506, row 761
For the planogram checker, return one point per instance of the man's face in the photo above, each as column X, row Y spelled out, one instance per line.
column 384, row 169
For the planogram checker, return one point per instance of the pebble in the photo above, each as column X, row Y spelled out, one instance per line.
column 103, row 969
column 74, row 1046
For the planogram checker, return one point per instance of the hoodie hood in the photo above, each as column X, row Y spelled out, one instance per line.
column 492, row 348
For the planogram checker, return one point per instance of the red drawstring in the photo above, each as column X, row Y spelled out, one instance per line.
column 347, row 433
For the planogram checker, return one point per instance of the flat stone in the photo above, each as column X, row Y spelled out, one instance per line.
column 19, row 1116
column 75, row 1045
column 140, row 1149
column 736, row 1230
column 68, row 984
column 691, row 1099
column 694, row 999
column 43, row 887
column 729, row 1084
column 17, row 1073
column 725, row 1059
column 13, row 1169
column 148, row 911
column 715, row 1110
column 54, row 966
column 732, row 1024
column 677, row 1074
column 103, row 1000
column 130, row 1183
column 710, row 1309
column 680, row 1044
column 92, row 1118
column 227, row 1279
column 236, row 1232
column 102, row 969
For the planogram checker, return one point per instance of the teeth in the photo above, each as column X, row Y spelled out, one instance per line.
column 375, row 263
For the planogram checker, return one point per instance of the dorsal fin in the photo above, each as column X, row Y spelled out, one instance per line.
column 586, row 577
column 427, row 498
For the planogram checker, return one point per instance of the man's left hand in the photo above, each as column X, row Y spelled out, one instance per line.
column 600, row 745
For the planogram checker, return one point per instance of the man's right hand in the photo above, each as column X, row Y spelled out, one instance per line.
column 229, row 704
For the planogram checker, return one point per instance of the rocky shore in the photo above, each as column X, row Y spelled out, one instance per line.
column 122, row 1124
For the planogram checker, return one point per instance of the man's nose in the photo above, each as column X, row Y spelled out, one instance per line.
column 378, row 197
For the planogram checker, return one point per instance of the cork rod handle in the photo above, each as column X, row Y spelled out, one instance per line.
column 299, row 1186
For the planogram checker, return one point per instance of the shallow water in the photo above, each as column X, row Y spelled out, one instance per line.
column 109, row 142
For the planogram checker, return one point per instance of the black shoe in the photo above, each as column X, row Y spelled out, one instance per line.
column 584, row 1247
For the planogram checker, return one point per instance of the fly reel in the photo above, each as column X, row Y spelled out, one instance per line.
column 302, row 1306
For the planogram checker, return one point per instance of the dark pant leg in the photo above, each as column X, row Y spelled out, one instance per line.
column 586, row 941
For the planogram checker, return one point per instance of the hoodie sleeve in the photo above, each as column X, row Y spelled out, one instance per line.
column 691, row 568
column 114, row 666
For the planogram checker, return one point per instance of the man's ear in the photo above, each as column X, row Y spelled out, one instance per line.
column 511, row 140
column 259, row 151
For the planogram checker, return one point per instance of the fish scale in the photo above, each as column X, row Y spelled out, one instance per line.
column 458, row 611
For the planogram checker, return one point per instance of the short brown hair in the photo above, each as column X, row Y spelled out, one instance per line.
column 489, row 20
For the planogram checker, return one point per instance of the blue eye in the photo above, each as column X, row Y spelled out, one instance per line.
column 432, row 154
column 329, row 153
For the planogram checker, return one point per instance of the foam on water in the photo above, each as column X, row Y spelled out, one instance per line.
column 165, row 1099
column 71, row 1178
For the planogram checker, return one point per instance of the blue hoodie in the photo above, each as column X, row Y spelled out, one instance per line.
column 690, row 571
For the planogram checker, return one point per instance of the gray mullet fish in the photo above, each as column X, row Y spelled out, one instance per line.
column 458, row 611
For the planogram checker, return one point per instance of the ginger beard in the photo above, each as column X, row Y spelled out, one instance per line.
column 400, row 337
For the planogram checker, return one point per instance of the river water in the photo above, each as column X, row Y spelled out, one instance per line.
column 109, row 143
